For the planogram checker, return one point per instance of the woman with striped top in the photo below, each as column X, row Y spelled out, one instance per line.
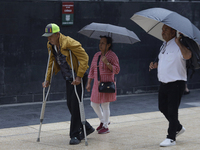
column 108, row 67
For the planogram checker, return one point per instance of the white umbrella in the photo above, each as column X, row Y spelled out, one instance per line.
column 152, row 20
column 118, row 34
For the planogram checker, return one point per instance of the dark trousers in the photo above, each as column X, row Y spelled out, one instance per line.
column 73, row 105
column 169, row 99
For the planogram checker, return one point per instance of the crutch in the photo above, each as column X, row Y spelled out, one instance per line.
column 45, row 97
column 81, row 106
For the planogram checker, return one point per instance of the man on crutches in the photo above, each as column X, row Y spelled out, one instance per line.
column 59, row 45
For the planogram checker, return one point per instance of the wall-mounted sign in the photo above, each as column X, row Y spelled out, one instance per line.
column 67, row 13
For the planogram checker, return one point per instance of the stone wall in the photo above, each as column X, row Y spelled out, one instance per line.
column 24, row 54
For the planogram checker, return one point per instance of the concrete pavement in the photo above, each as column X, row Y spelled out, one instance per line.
column 136, row 124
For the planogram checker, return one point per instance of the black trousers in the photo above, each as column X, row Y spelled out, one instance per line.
column 76, row 127
column 169, row 99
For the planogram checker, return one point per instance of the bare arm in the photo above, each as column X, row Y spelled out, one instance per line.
column 187, row 54
column 88, row 87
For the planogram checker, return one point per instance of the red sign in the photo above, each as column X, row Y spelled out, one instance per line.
column 67, row 13
column 67, row 7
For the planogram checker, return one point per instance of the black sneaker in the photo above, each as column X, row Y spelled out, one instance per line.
column 88, row 132
column 74, row 141
column 91, row 130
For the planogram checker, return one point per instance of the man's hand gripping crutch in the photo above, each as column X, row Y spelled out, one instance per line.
column 45, row 84
column 81, row 106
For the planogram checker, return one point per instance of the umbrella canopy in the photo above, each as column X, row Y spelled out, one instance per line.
column 152, row 20
column 118, row 34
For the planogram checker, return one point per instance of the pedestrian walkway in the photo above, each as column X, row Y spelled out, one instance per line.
column 130, row 131
column 142, row 131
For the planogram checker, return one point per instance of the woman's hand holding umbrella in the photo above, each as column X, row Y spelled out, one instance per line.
column 105, row 61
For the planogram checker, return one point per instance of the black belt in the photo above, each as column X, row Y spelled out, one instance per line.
column 172, row 82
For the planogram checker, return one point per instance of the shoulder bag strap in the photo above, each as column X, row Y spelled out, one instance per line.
column 98, row 74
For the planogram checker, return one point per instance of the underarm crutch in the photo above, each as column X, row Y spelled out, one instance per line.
column 81, row 106
column 45, row 97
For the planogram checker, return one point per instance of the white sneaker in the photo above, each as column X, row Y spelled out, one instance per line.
column 167, row 142
column 180, row 132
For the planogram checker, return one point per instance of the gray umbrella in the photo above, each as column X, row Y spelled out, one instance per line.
column 118, row 34
column 152, row 20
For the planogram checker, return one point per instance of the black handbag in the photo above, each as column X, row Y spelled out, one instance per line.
column 105, row 87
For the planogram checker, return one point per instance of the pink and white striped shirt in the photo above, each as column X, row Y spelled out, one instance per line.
column 106, row 75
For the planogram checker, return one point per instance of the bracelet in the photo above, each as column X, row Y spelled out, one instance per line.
column 107, row 63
